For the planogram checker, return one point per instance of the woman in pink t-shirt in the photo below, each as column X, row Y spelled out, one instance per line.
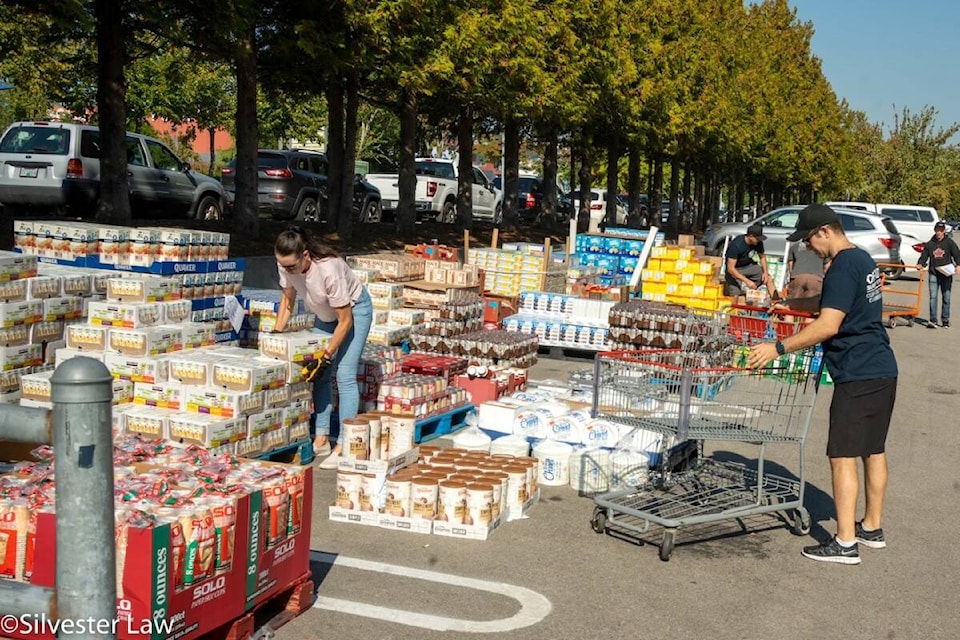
column 331, row 291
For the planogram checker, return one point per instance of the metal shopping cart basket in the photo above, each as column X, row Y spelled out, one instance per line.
column 695, row 397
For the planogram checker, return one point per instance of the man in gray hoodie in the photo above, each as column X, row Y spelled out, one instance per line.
column 942, row 253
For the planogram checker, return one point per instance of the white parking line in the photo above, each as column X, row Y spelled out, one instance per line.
column 533, row 606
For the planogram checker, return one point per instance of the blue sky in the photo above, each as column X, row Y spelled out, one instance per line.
column 881, row 53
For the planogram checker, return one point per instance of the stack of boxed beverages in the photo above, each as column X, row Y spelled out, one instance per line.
column 684, row 276
column 562, row 320
column 449, row 492
column 200, row 539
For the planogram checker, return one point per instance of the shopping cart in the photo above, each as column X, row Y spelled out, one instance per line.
column 902, row 300
column 698, row 397
column 756, row 324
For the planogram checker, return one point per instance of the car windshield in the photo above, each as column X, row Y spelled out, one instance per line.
column 435, row 169
column 36, row 139
column 271, row 160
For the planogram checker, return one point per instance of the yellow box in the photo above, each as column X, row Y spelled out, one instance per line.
column 697, row 290
column 706, row 268
column 712, row 292
column 673, row 253
column 654, row 264
column 658, row 252
column 681, row 264
column 677, row 300
column 686, row 277
column 655, row 287
column 685, row 290
column 685, row 253
column 671, row 278
column 700, row 280
column 668, row 265
column 671, row 289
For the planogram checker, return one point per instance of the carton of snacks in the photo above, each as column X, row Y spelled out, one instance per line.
column 264, row 421
column 143, row 288
column 28, row 355
column 191, row 368
column 301, row 346
column 63, row 354
column 62, row 308
column 46, row 332
column 206, row 430
column 129, row 315
column 252, row 375
column 148, row 341
column 134, row 369
column 86, row 337
column 15, row 336
column 25, row 312
column 163, row 395
column 150, row 422
column 221, row 402
column 45, row 286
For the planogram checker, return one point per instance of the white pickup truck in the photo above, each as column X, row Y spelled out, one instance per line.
column 436, row 196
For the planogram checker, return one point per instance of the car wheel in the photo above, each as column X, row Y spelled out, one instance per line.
column 371, row 212
column 208, row 209
column 448, row 215
column 308, row 211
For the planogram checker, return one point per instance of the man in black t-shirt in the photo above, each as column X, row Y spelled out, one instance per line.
column 742, row 268
column 857, row 352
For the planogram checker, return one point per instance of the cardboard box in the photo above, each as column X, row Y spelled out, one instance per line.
column 148, row 341
column 143, row 288
column 197, row 334
column 163, row 395
column 205, row 430
column 191, row 368
column 253, row 375
column 264, row 422
column 43, row 286
column 42, row 332
column 151, row 422
column 28, row 355
column 221, row 402
column 13, row 291
column 124, row 314
column 413, row 525
column 36, row 386
column 301, row 346
column 62, row 354
column 134, row 369
column 353, row 516
column 24, row 312
column 177, row 311
column 86, row 337
column 469, row 531
column 15, row 336
column 380, row 466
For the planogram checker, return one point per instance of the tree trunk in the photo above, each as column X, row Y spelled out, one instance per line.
column 511, row 172
column 548, row 205
column 656, row 195
column 335, row 146
column 583, row 210
column 347, row 216
column 246, row 215
column 674, row 223
column 213, row 151
column 613, row 180
column 465, row 168
column 406, row 210
column 633, row 186
column 114, row 204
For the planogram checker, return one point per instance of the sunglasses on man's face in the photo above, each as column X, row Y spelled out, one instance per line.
column 810, row 235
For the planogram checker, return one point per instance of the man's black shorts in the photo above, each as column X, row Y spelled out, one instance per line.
column 860, row 417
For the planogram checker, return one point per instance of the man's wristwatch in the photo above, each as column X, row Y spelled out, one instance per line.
column 781, row 350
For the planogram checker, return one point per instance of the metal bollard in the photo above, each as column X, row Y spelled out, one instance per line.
column 82, row 395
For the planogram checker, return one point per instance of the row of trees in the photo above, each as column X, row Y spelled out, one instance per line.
column 675, row 97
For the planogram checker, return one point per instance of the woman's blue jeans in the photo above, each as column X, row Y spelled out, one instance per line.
column 345, row 365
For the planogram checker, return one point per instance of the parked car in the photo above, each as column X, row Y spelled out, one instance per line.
column 436, row 191
column 876, row 234
column 55, row 167
column 598, row 206
column 915, row 224
column 530, row 198
column 292, row 184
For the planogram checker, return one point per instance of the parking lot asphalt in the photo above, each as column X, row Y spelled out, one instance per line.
column 550, row 576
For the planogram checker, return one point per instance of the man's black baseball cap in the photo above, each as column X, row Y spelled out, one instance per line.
column 811, row 218
column 756, row 230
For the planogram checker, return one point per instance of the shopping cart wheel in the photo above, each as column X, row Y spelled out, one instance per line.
column 909, row 321
column 892, row 322
column 666, row 545
column 599, row 520
column 801, row 522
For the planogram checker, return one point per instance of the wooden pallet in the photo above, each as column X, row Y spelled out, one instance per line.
column 270, row 614
column 436, row 426
column 296, row 453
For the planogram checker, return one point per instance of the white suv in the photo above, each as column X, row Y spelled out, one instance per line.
column 55, row 166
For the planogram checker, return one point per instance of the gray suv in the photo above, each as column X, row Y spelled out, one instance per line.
column 55, row 167
column 875, row 234
column 292, row 184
